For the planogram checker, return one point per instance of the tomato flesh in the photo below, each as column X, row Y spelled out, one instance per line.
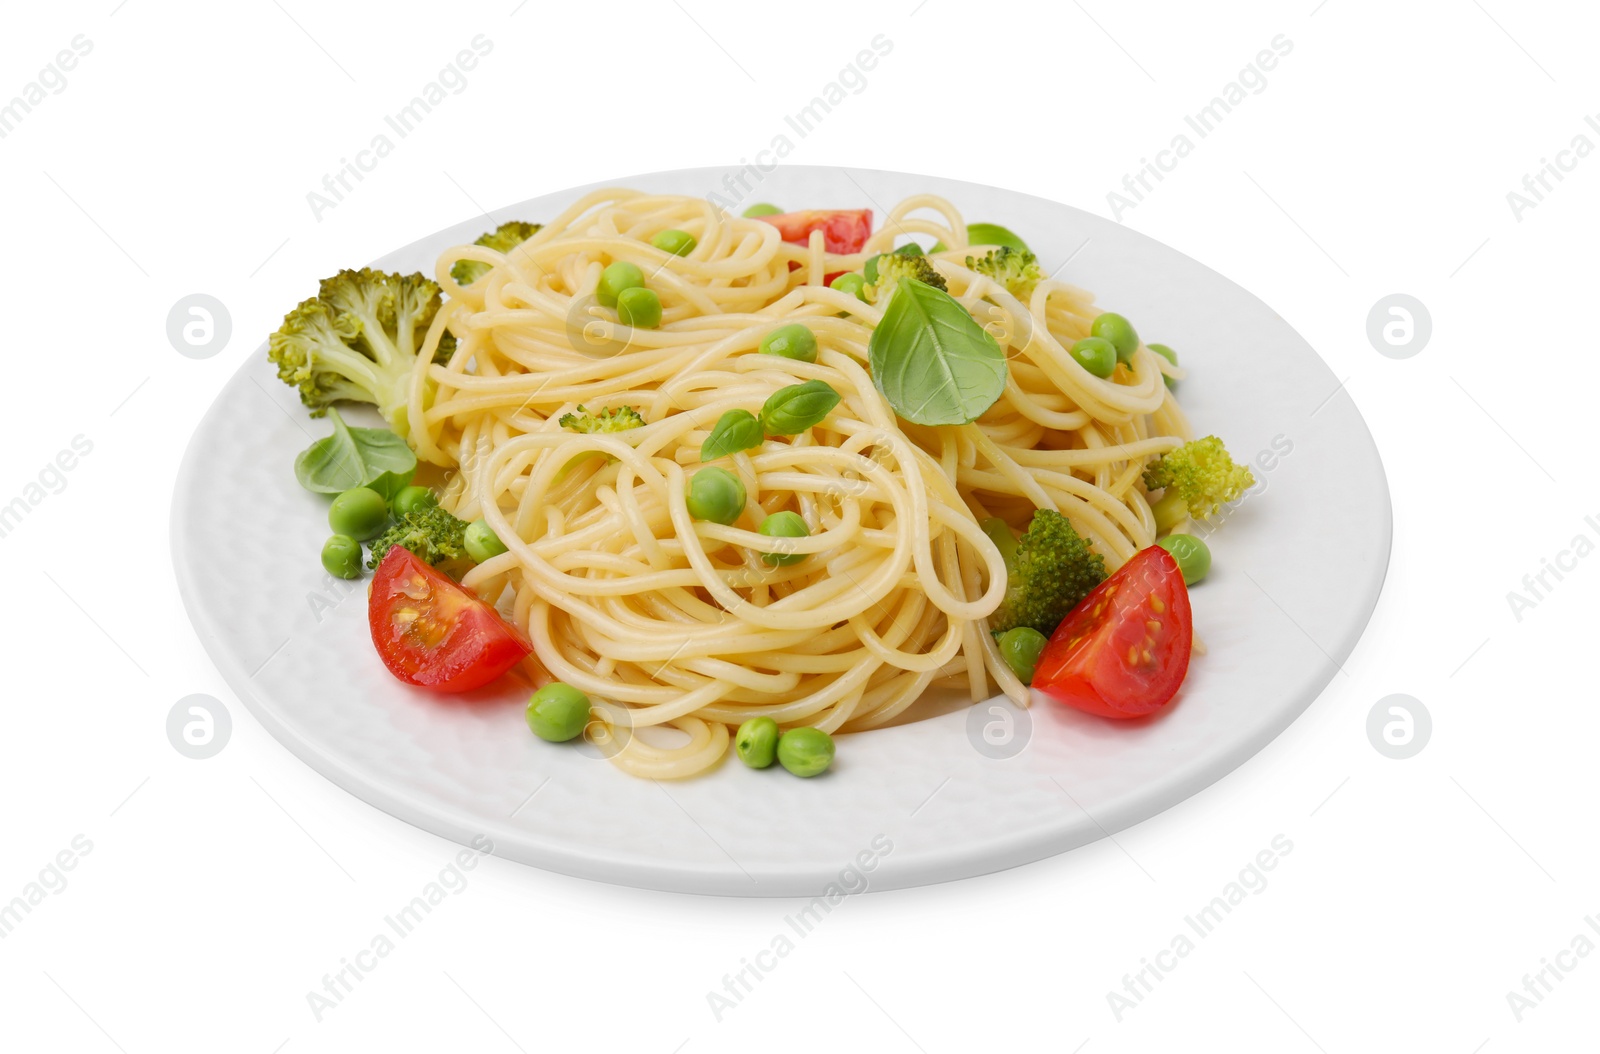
column 433, row 633
column 1124, row 650
column 844, row 231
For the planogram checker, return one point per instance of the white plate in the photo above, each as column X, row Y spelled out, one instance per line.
column 1294, row 580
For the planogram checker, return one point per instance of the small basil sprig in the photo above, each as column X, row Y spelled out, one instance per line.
column 932, row 360
column 356, row 457
column 795, row 408
column 734, row 431
column 788, row 411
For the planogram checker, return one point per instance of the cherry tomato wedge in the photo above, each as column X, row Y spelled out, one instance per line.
column 1124, row 650
column 432, row 632
column 844, row 231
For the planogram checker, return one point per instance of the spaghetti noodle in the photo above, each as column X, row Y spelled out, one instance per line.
column 672, row 622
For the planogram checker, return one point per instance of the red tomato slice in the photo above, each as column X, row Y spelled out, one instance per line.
column 1124, row 650
column 844, row 231
column 433, row 633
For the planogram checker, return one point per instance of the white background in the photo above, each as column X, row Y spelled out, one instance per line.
column 1377, row 160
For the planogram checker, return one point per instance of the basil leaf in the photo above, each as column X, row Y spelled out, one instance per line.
column 932, row 360
column 791, row 410
column 734, row 431
column 355, row 457
column 391, row 483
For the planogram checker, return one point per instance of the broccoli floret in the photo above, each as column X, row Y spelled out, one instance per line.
column 1053, row 568
column 616, row 419
column 432, row 535
column 869, row 270
column 1201, row 473
column 1016, row 269
column 893, row 267
column 357, row 341
column 502, row 240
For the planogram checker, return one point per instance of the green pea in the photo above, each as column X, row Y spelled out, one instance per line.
column 793, row 341
column 715, row 494
column 639, row 307
column 1097, row 355
column 1170, row 511
column 614, row 279
column 678, row 243
column 481, row 541
column 412, row 499
column 850, row 282
column 756, row 742
column 784, row 525
column 1119, row 331
column 359, row 512
column 762, row 209
column 341, row 556
column 806, row 752
column 558, row 712
column 1168, row 354
column 1020, row 647
column 1193, row 556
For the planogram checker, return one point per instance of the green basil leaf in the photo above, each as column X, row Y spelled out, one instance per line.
column 391, row 483
column 994, row 234
column 355, row 457
column 791, row 410
column 932, row 360
column 987, row 234
column 734, row 431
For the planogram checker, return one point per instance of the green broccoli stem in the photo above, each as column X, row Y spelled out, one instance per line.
column 384, row 352
column 352, row 366
column 999, row 533
column 394, row 402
